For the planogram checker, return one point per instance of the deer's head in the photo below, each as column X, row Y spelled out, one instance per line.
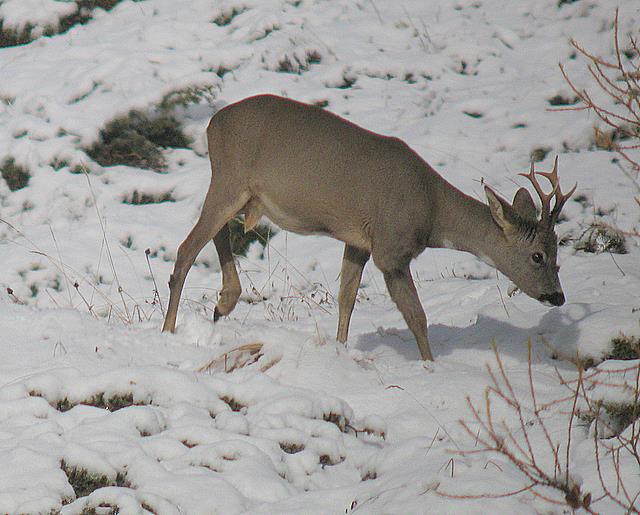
column 529, row 258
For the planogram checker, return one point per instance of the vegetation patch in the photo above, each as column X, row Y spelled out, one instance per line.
column 624, row 347
column 326, row 460
column 190, row 95
column 613, row 417
column 138, row 139
column 82, row 15
column 113, row 403
column 138, row 198
column 582, row 199
column 538, row 154
column 295, row 63
column 15, row 175
column 562, row 100
column 291, row 447
column 84, row 482
column 600, row 237
column 335, row 418
column 473, row 114
column 12, row 37
column 611, row 138
column 226, row 17
column 92, row 510
column 347, row 81
column 233, row 404
column 565, row 2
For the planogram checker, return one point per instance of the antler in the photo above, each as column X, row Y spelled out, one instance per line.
column 549, row 216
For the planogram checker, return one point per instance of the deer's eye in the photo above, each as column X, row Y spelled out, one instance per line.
column 537, row 258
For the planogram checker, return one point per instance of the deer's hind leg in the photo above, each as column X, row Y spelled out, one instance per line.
column 221, row 204
column 231, row 288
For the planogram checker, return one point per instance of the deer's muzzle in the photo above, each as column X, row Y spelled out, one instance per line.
column 555, row 299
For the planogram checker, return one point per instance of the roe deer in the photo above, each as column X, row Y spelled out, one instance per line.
column 312, row 172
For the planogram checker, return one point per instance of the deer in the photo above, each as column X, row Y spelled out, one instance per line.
column 310, row 171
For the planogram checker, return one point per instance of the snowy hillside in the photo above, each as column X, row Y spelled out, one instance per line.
column 264, row 412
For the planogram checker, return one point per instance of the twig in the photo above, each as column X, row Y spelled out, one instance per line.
column 156, row 293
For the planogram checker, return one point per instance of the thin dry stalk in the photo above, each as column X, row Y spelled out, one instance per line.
column 66, row 278
column 156, row 293
column 108, row 248
column 67, row 272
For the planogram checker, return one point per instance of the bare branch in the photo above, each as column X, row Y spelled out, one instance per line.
column 619, row 80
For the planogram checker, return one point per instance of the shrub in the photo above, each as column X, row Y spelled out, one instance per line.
column 546, row 469
column 600, row 237
column 137, row 139
column 624, row 347
column 189, row 95
column 16, row 176
column 619, row 80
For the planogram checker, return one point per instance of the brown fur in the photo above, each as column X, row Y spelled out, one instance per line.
column 312, row 172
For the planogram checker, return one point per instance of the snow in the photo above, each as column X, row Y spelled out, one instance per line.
column 305, row 424
column 18, row 14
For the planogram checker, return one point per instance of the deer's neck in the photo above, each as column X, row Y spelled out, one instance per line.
column 464, row 223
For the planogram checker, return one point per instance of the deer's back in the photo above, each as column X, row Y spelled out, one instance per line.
column 315, row 172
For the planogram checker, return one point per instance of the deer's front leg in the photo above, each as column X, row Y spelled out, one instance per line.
column 353, row 263
column 187, row 253
column 231, row 287
column 403, row 292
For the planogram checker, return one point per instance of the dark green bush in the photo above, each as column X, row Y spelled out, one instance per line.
column 624, row 347
column 16, row 176
column 137, row 139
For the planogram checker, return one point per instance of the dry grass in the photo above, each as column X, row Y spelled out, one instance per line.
column 237, row 358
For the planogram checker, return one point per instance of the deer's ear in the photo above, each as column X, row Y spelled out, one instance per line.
column 503, row 214
column 523, row 205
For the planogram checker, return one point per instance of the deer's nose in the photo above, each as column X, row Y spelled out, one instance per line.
column 555, row 299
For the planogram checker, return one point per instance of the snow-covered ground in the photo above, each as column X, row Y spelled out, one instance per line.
column 303, row 425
